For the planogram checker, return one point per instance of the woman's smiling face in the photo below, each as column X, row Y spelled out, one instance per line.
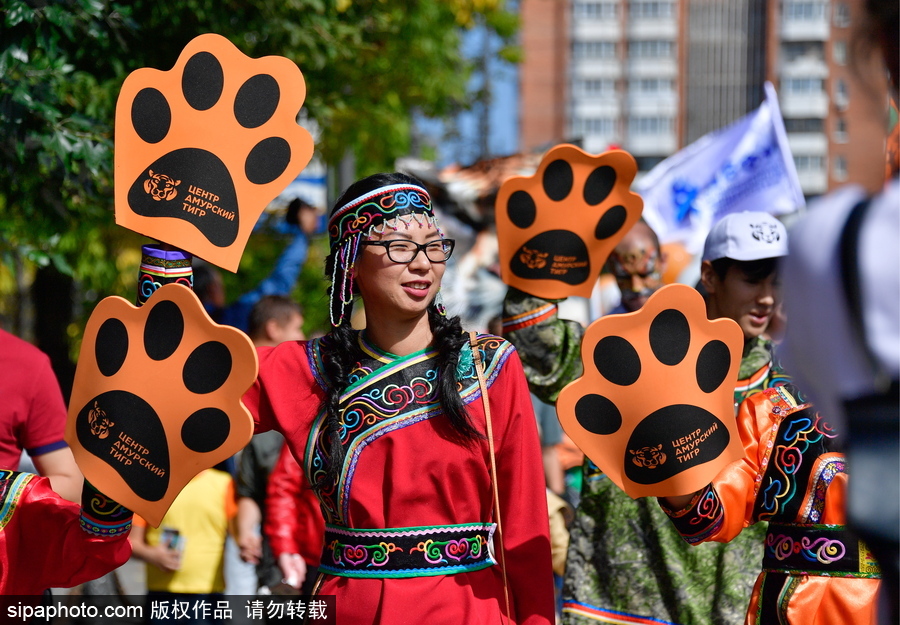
column 403, row 289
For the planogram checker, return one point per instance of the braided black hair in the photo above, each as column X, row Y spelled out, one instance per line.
column 339, row 347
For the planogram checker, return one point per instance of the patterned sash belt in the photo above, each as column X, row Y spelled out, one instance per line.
column 407, row 551
column 829, row 550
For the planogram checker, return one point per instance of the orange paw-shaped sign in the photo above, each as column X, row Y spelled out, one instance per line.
column 203, row 148
column 654, row 408
column 157, row 398
column 556, row 228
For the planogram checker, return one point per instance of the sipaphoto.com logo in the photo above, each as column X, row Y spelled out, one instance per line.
column 161, row 187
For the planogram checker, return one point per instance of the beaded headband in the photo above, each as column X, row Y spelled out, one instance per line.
column 379, row 210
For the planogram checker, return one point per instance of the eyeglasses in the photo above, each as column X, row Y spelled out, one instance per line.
column 405, row 252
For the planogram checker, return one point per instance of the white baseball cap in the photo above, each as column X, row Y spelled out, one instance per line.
column 746, row 236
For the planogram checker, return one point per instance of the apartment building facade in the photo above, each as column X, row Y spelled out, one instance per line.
column 653, row 76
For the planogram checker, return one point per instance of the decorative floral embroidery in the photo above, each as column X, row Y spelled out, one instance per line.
column 407, row 552
column 785, row 478
column 386, row 393
column 823, row 550
column 438, row 551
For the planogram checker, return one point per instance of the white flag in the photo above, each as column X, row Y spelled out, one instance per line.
column 744, row 166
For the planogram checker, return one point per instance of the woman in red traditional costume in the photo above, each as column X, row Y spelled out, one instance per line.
column 389, row 426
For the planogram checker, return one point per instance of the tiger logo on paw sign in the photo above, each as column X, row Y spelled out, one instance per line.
column 203, row 148
column 655, row 406
column 556, row 228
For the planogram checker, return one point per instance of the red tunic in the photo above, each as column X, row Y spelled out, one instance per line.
column 403, row 470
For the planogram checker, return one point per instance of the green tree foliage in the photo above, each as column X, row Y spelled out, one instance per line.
column 367, row 65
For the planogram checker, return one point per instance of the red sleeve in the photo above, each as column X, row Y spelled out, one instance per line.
column 45, row 426
column 286, row 394
column 294, row 522
column 48, row 548
column 282, row 494
column 523, row 498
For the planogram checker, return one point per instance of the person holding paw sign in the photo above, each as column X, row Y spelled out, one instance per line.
column 793, row 476
column 411, row 432
column 625, row 558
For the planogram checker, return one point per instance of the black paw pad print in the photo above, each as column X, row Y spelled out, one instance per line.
column 157, row 397
column 207, row 144
column 557, row 228
column 654, row 407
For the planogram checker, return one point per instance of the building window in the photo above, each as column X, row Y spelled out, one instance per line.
column 839, row 52
column 804, row 124
column 840, row 168
column 651, row 10
column 594, row 50
column 841, row 96
column 651, row 49
column 807, row 163
column 651, row 86
column 593, row 126
column 595, row 10
column 651, row 125
column 842, row 15
column 802, row 86
column 797, row 11
column 595, row 87
column 840, row 130
column 795, row 50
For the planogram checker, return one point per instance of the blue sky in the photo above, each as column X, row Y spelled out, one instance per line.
column 504, row 113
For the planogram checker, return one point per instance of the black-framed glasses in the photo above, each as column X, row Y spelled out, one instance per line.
column 404, row 252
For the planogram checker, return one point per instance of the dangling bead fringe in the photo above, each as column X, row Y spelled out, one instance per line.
column 342, row 280
column 439, row 303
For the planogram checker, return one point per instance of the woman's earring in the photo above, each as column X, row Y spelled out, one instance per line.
column 439, row 303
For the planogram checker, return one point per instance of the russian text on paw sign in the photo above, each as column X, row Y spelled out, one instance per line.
column 203, row 148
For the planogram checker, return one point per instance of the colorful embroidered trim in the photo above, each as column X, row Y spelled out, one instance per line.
column 12, row 484
column 825, row 473
column 407, row 552
column 530, row 318
column 368, row 211
column 602, row 615
column 702, row 518
column 386, row 393
column 785, row 470
column 375, row 212
column 101, row 516
column 161, row 267
column 809, row 549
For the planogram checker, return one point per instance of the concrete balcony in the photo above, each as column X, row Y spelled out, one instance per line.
column 805, row 67
column 806, row 30
column 661, row 104
column 652, row 68
column 651, row 145
column 647, row 28
column 595, row 144
column 804, row 105
column 810, row 143
column 595, row 107
column 596, row 29
column 595, row 68
column 813, row 182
